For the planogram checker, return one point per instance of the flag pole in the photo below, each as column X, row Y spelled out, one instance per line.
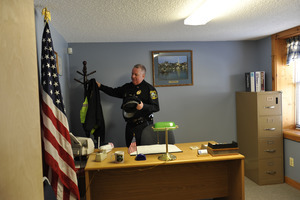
column 136, row 146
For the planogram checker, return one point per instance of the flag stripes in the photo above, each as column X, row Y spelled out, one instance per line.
column 55, row 145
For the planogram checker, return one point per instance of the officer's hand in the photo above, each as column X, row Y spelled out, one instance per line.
column 99, row 84
column 140, row 106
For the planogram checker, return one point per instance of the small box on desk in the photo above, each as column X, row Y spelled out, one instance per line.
column 220, row 149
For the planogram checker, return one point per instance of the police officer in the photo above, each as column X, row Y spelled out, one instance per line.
column 142, row 95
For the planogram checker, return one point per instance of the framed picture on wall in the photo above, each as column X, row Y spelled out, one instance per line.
column 58, row 63
column 172, row 68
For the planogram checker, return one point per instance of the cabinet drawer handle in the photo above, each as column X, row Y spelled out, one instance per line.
column 270, row 150
column 271, row 172
column 270, row 129
column 270, row 107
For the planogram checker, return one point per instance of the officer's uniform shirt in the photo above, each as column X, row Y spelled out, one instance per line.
column 144, row 91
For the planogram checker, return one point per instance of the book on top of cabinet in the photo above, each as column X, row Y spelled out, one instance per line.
column 250, row 81
column 255, row 81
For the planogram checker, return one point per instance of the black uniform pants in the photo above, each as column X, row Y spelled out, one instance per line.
column 132, row 128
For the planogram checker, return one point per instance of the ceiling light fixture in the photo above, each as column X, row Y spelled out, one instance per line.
column 208, row 10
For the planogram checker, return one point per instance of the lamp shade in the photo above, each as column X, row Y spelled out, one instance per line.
column 164, row 125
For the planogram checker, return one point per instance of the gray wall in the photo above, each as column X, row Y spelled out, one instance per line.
column 264, row 58
column 292, row 149
column 204, row 111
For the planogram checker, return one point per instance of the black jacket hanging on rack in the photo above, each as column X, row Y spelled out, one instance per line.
column 94, row 116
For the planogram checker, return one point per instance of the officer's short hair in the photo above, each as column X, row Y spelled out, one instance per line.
column 142, row 67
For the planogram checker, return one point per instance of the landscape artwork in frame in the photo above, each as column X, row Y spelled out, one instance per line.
column 172, row 68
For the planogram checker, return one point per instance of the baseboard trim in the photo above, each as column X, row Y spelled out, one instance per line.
column 292, row 183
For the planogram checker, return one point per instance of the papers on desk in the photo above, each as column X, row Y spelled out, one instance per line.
column 156, row 149
column 107, row 147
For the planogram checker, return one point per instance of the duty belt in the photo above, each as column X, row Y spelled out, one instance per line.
column 138, row 121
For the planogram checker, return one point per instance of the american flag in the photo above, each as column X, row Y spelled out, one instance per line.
column 57, row 149
column 132, row 148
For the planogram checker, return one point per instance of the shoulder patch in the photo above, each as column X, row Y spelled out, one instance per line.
column 153, row 94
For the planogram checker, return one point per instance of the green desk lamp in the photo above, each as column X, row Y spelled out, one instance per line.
column 165, row 126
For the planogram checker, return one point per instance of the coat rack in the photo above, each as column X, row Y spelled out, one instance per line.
column 85, row 75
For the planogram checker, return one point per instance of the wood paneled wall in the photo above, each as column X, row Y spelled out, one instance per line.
column 20, row 142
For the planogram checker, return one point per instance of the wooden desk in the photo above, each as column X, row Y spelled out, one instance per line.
column 188, row 177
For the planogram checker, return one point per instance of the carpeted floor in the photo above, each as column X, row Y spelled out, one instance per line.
column 270, row 192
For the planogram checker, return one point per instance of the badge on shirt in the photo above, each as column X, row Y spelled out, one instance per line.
column 153, row 94
column 138, row 92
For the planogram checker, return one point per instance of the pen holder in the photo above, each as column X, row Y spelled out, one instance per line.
column 100, row 156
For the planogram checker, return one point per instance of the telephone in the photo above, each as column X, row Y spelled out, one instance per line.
column 81, row 146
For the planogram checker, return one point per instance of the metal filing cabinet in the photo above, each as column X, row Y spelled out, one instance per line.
column 259, row 135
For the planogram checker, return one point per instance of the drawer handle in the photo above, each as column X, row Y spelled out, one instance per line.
column 270, row 129
column 270, row 150
column 270, row 107
column 271, row 172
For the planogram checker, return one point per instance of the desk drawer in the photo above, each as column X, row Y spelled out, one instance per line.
column 270, row 126
column 270, row 171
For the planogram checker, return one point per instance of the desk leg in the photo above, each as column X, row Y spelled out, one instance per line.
column 87, row 186
column 236, row 180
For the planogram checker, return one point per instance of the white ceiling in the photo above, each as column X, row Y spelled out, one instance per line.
column 162, row 20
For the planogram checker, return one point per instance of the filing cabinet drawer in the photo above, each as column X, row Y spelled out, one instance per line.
column 269, row 104
column 270, row 171
column 270, row 147
column 270, row 126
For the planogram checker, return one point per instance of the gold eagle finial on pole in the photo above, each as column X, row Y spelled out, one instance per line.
column 47, row 14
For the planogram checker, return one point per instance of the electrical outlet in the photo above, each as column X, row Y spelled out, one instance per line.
column 291, row 162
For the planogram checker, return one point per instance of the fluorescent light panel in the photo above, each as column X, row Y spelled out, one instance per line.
column 207, row 11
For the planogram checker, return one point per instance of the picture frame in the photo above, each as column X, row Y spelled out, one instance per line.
column 58, row 63
column 172, row 68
